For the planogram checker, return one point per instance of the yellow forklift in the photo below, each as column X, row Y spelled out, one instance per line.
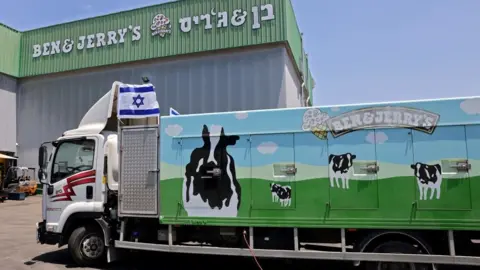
column 19, row 180
column 6, row 161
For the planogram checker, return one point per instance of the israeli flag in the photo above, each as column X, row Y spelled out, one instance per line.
column 173, row 112
column 137, row 101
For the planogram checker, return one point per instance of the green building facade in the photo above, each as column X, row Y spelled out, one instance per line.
column 197, row 39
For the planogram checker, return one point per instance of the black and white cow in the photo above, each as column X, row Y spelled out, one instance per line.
column 339, row 168
column 282, row 194
column 428, row 177
column 210, row 186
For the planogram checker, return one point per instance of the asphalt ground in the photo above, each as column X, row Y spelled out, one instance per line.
column 19, row 250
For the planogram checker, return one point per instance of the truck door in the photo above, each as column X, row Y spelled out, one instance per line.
column 273, row 173
column 473, row 146
column 312, row 184
column 353, row 185
column 396, row 186
column 72, row 177
column 139, row 171
column 443, row 183
column 216, row 170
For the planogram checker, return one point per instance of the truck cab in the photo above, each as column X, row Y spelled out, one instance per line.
column 79, row 174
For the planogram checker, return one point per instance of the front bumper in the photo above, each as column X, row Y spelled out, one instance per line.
column 44, row 237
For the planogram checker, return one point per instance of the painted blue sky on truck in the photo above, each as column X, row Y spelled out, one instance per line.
column 393, row 145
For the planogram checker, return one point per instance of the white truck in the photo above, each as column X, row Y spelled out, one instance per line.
column 149, row 184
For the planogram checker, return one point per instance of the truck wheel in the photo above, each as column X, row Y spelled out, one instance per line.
column 396, row 247
column 86, row 246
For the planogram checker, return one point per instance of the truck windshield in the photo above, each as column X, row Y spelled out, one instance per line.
column 72, row 157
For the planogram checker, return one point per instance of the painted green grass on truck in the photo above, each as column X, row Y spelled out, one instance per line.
column 353, row 207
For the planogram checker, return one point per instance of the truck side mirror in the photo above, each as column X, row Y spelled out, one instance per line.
column 50, row 190
column 42, row 156
column 40, row 175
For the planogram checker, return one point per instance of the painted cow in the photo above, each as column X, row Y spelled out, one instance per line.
column 339, row 168
column 282, row 194
column 210, row 186
column 428, row 177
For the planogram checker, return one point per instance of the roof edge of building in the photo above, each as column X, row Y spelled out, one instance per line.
column 10, row 28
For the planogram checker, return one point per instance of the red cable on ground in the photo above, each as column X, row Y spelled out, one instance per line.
column 251, row 250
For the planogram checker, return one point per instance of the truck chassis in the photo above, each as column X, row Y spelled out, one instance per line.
column 359, row 254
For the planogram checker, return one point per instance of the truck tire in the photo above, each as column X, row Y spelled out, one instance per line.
column 87, row 247
column 396, row 247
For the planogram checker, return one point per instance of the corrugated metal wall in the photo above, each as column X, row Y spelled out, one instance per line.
column 292, row 85
column 9, row 51
column 176, row 43
column 47, row 106
column 8, row 104
column 295, row 41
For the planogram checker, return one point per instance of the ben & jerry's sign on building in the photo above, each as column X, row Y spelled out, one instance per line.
column 160, row 26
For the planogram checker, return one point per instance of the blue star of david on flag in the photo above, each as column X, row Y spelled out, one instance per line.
column 137, row 101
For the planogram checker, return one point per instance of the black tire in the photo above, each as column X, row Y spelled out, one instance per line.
column 396, row 247
column 76, row 249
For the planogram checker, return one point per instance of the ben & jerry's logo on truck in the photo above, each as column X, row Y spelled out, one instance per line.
column 320, row 123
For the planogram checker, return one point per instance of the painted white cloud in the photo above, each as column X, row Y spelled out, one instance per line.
column 267, row 148
column 241, row 115
column 173, row 130
column 471, row 106
column 378, row 137
column 215, row 130
column 335, row 109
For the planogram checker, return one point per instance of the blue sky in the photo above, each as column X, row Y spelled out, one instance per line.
column 360, row 51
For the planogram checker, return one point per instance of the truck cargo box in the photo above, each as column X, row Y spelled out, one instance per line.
column 396, row 165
